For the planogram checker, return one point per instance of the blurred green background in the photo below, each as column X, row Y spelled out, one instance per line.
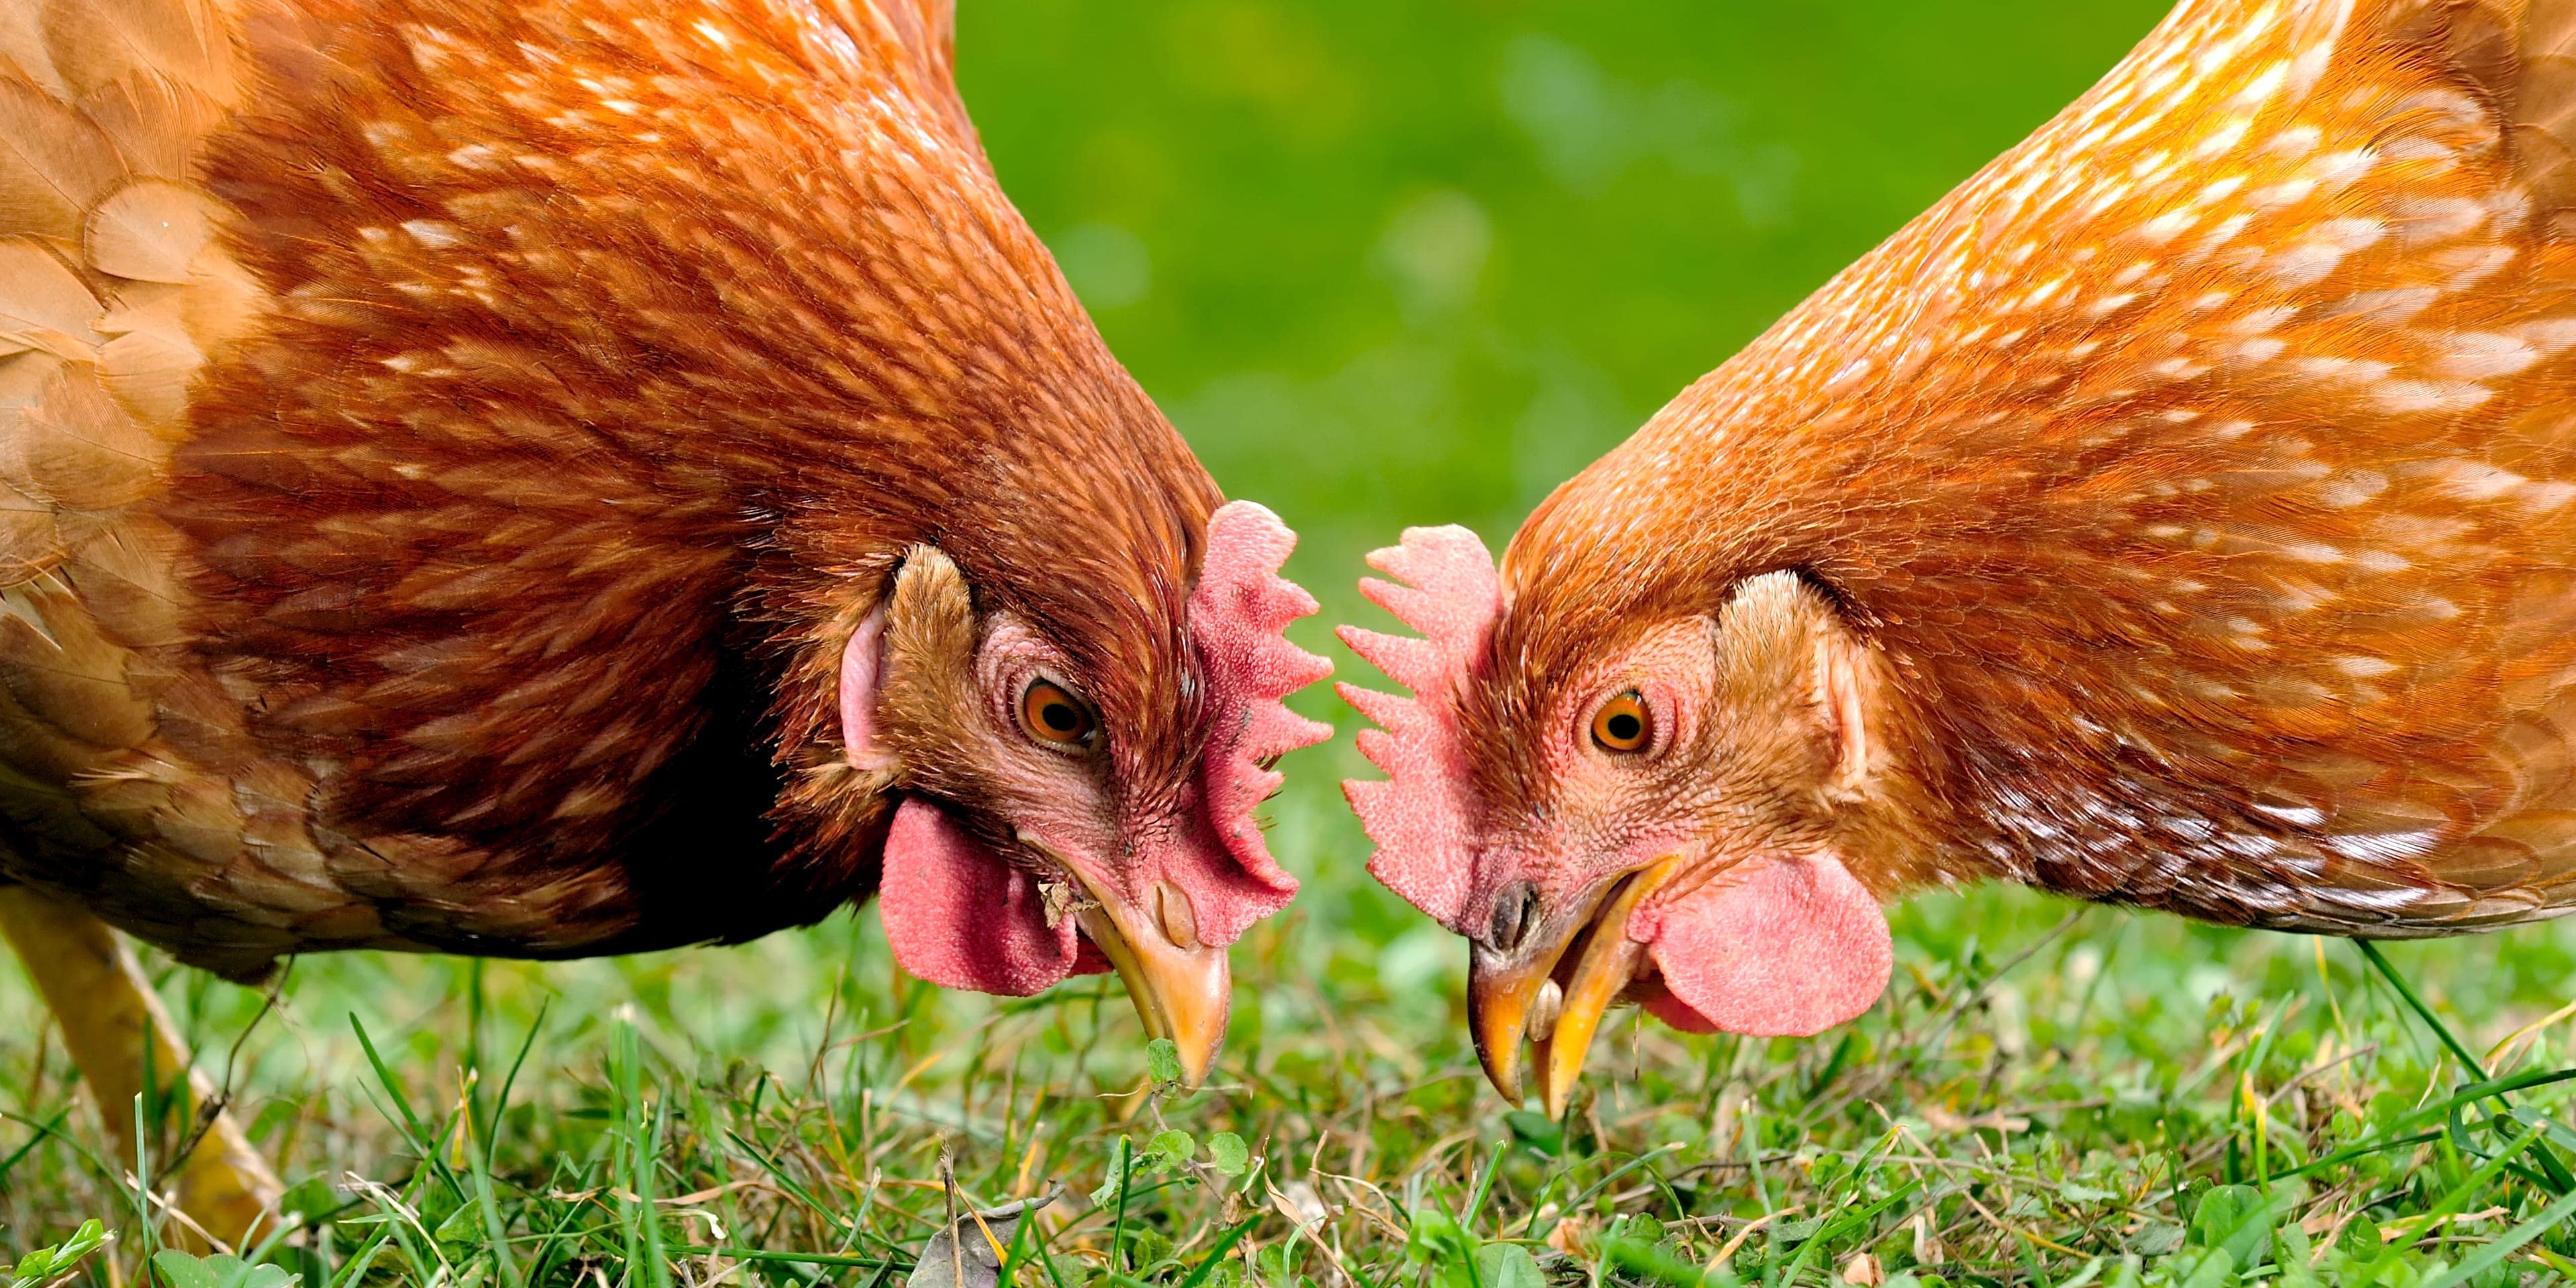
column 1390, row 263
column 1403, row 262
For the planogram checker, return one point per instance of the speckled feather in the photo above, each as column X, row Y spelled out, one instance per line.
column 447, row 445
column 2203, row 471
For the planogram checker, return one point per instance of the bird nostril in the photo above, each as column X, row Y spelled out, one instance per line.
column 1514, row 909
column 1180, row 921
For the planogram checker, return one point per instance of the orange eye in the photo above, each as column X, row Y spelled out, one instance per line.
column 1622, row 724
column 1053, row 718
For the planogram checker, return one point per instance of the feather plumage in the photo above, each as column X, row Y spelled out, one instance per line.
column 445, row 448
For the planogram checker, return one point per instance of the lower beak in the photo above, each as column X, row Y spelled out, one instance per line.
column 1180, row 986
column 1555, row 994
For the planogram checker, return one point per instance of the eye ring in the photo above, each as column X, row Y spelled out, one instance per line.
column 1624, row 725
column 1053, row 718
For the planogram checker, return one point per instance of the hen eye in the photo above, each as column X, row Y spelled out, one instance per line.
column 1622, row 724
column 1053, row 718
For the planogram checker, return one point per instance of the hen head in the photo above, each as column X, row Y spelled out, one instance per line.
column 1065, row 814
column 1643, row 801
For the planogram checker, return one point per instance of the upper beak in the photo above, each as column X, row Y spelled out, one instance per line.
column 1181, row 987
column 1554, row 986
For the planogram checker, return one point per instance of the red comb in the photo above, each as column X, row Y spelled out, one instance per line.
column 1238, row 616
column 1448, row 589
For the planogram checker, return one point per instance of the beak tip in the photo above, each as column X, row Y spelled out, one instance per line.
column 1181, row 993
column 1497, row 1050
column 1557, row 1081
column 1195, row 1066
column 1198, row 1036
column 1505, row 1001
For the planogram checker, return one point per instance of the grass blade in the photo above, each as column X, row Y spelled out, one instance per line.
column 2510, row 1242
column 2559, row 1179
column 2455, row 1201
column 1199, row 1274
column 10, row 1164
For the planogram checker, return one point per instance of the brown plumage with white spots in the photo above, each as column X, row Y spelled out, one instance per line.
column 572, row 477
column 2180, row 514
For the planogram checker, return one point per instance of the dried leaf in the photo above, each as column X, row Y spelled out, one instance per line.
column 965, row 1248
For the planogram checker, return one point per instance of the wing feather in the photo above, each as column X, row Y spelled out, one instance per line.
column 125, row 773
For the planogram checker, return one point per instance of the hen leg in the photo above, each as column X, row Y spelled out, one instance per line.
column 108, row 1011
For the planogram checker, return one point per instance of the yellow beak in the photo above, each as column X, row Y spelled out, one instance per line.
column 1181, row 987
column 1554, row 1006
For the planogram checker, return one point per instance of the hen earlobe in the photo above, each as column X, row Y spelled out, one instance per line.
column 909, row 661
column 956, row 912
column 862, row 664
column 1847, row 683
column 1783, row 635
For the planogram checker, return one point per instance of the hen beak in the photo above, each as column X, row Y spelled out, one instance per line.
column 1181, row 987
column 1553, row 990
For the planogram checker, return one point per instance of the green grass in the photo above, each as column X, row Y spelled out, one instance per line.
column 2044, row 1089
column 1391, row 262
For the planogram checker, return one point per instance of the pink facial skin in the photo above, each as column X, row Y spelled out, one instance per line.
column 956, row 911
column 1762, row 934
column 1768, row 936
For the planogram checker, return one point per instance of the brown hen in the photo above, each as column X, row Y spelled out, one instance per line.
column 2180, row 514
column 575, row 477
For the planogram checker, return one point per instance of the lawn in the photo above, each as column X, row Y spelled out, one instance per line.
column 1393, row 262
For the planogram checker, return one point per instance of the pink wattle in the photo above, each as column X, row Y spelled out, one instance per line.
column 961, row 917
column 1771, row 948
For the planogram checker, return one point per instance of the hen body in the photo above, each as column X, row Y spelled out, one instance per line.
column 448, row 444
column 2206, row 467
column 2181, row 513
